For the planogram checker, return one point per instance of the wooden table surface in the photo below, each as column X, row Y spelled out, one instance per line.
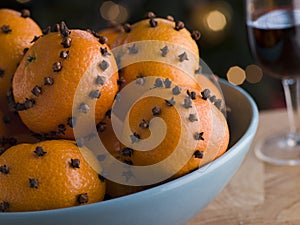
column 259, row 193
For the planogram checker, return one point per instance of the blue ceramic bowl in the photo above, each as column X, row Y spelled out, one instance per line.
column 173, row 203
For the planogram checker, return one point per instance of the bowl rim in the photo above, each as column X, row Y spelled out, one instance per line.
column 249, row 133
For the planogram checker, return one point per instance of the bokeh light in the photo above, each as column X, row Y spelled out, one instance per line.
column 23, row 1
column 113, row 12
column 254, row 74
column 236, row 75
column 216, row 20
column 213, row 20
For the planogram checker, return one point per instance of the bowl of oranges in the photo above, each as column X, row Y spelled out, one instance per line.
column 118, row 126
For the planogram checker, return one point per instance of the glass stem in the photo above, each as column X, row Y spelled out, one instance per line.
column 291, row 89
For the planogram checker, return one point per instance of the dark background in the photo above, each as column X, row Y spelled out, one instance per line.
column 220, row 50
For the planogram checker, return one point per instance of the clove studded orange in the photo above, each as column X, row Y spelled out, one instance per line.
column 17, row 30
column 47, row 175
column 176, row 54
column 45, row 83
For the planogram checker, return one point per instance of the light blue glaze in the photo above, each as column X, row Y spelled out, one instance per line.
column 173, row 203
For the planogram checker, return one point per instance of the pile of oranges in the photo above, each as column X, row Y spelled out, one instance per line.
column 133, row 87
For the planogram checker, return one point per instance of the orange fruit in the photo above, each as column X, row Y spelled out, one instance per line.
column 112, row 33
column 107, row 136
column 164, row 48
column 17, row 30
column 112, row 144
column 196, row 131
column 78, row 73
column 158, row 47
column 47, row 175
column 207, row 83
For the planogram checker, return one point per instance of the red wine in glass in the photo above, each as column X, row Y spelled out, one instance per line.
column 274, row 38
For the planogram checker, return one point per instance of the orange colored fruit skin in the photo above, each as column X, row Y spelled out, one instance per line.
column 59, row 184
column 112, row 34
column 165, row 32
column 206, row 83
column 112, row 144
column 158, row 69
column 171, row 140
column 108, row 138
column 216, row 146
column 12, row 46
column 54, row 106
column 213, row 125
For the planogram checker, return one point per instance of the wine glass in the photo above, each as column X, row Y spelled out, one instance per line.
column 274, row 38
